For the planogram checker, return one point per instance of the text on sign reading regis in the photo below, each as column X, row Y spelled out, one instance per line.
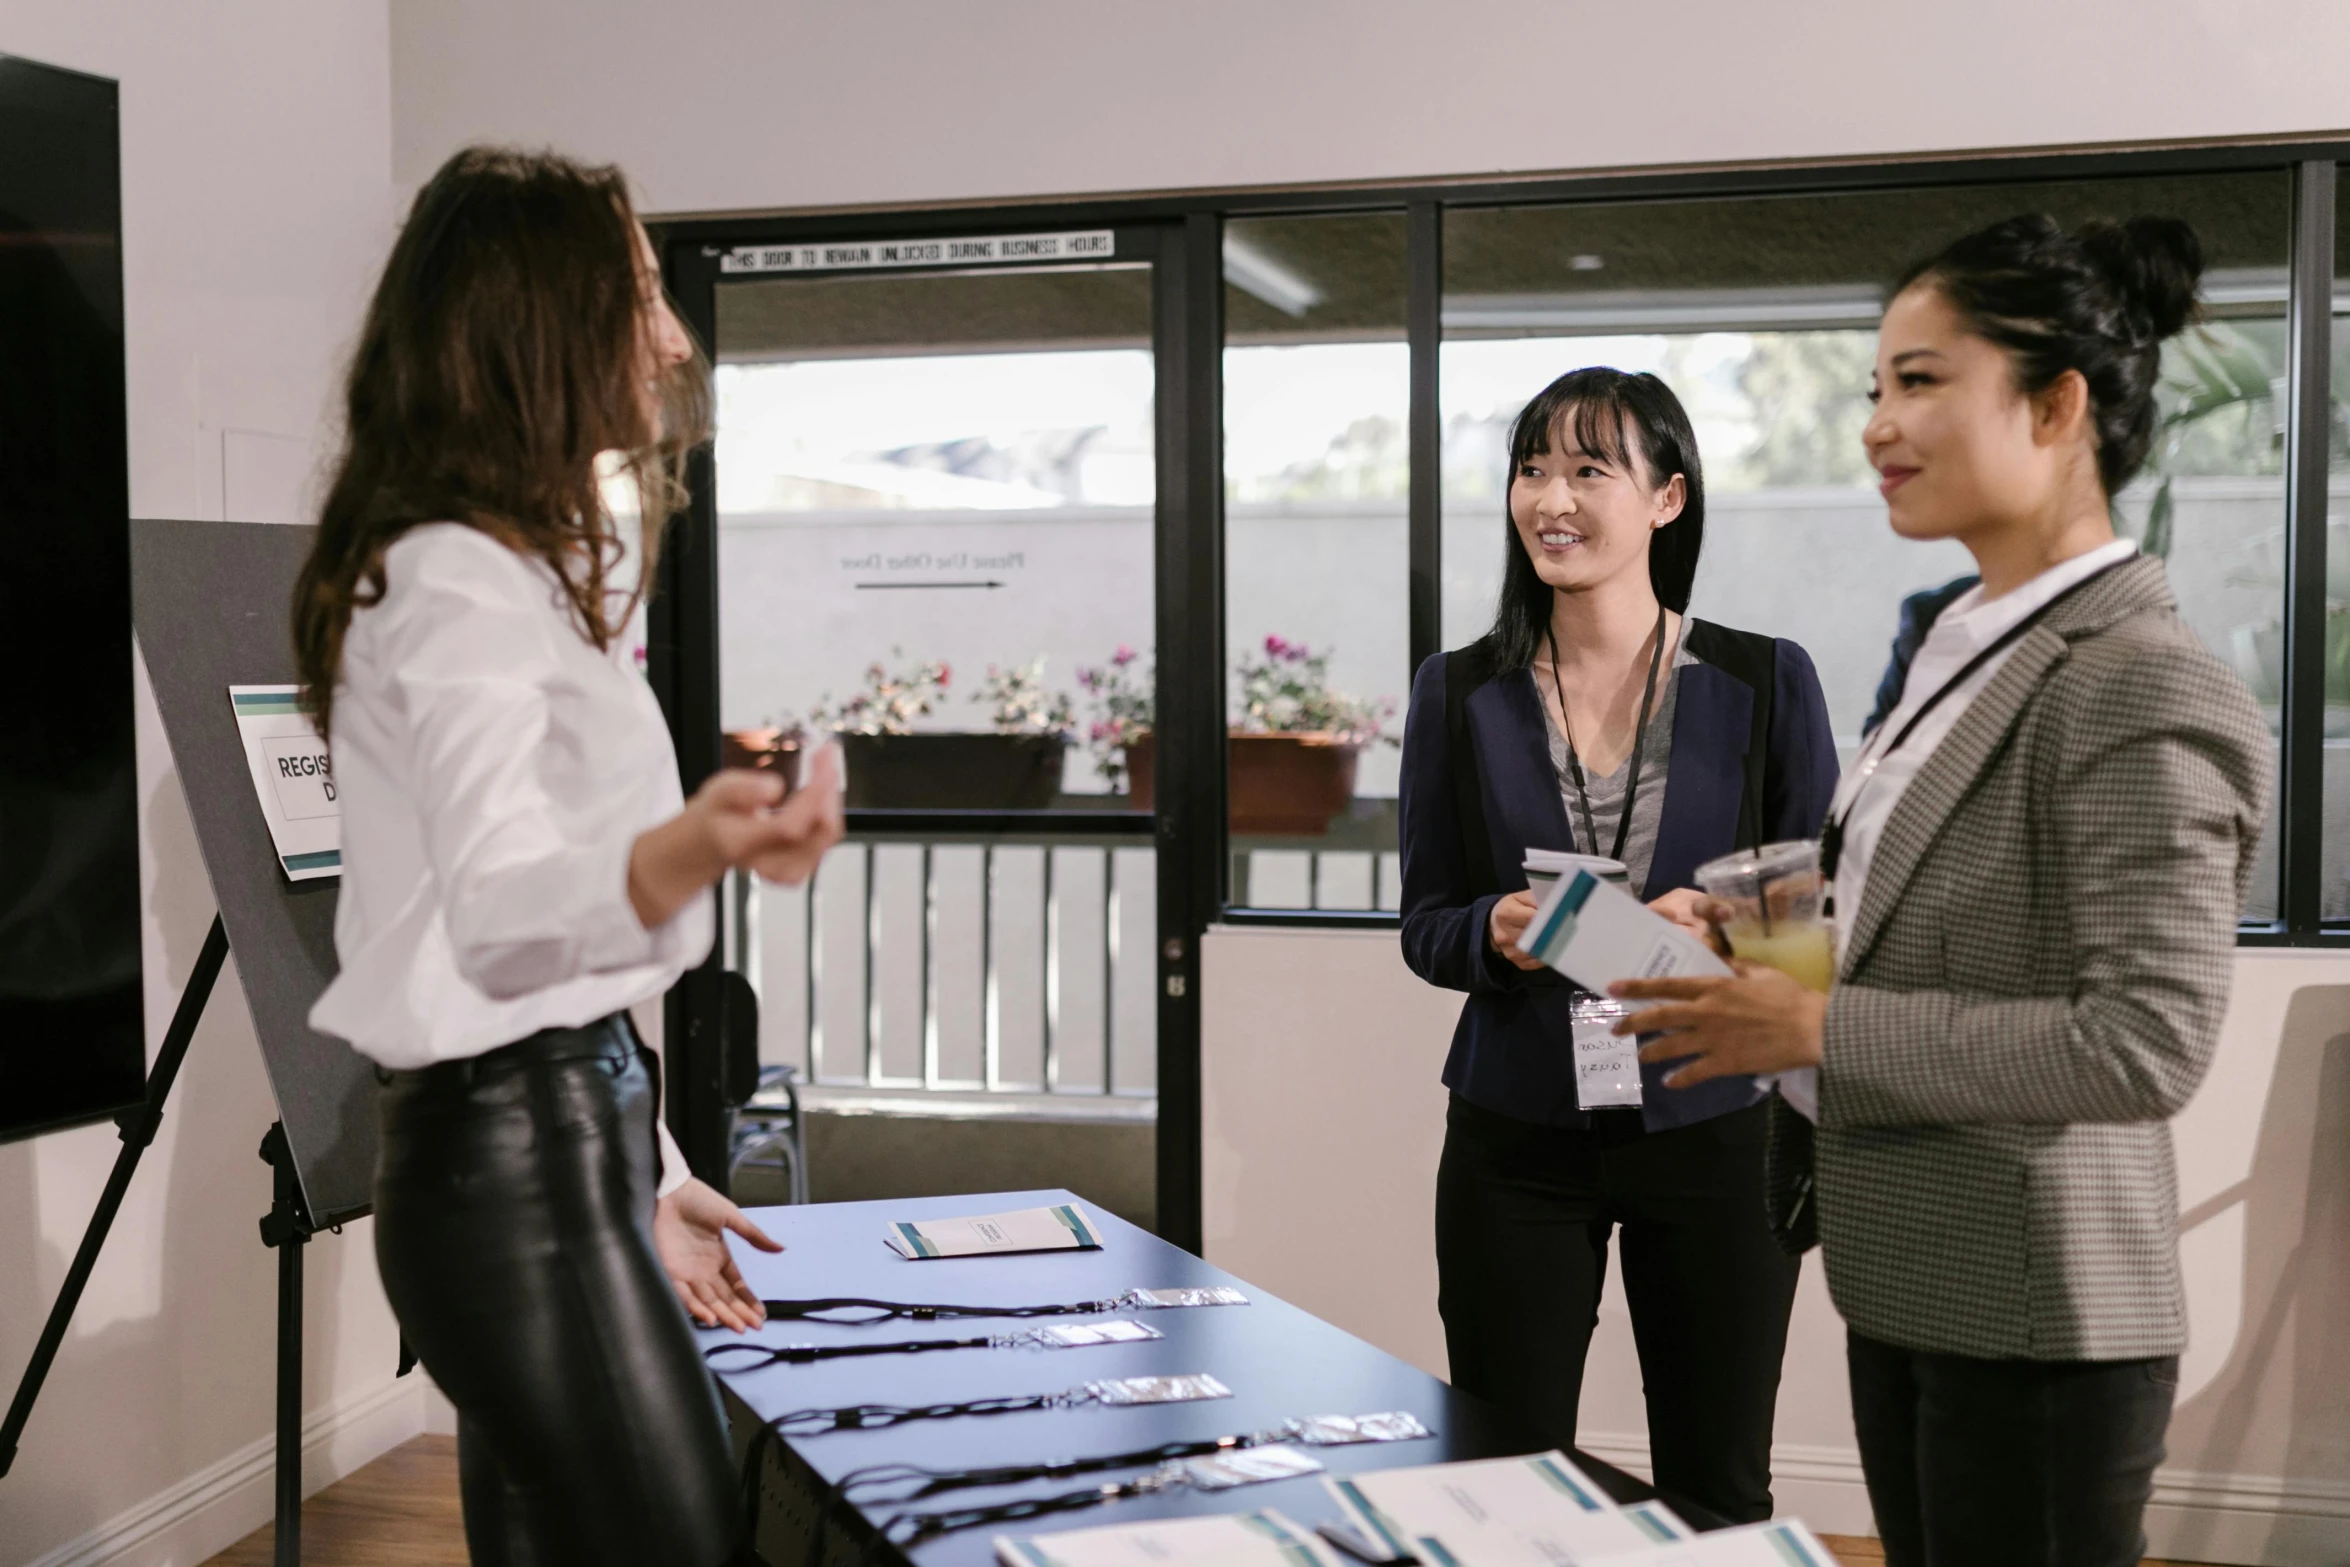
column 298, row 766
column 978, row 250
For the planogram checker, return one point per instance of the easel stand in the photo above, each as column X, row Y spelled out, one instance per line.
column 287, row 1228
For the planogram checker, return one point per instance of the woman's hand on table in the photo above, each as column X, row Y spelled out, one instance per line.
column 1757, row 1021
column 1503, row 930
column 689, row 1232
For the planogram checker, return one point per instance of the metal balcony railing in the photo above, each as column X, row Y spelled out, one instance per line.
column 988, row 955
column 1012, row 955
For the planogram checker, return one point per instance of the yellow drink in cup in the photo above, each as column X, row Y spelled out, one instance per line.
column 1774, row 897
column 1805, row 953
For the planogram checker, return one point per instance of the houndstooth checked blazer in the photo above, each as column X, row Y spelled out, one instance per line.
column 2032, row 986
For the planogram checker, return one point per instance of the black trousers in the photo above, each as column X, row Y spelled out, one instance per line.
column 1523, row 1215
column 2009, row 1463
column 513, row 1228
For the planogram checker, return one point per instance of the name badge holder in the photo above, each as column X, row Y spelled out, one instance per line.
column 1607, row 1064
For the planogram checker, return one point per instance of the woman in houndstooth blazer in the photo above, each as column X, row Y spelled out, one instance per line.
column 2040, row 858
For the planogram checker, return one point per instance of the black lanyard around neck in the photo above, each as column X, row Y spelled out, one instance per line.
column 1639, row 741
column 1832, row 837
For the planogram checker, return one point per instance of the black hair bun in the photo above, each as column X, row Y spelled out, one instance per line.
column 2153, row 265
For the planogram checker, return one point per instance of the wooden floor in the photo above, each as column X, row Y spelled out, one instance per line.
column 401, row 1511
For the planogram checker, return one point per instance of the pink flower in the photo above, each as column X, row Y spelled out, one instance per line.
column 1124, row 656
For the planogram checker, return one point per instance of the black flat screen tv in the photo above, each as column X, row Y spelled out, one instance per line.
column 72, row 1041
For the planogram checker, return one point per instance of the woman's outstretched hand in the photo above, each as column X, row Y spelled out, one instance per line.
column 735, row 819
column 1758, row 1021
column 689, row 1231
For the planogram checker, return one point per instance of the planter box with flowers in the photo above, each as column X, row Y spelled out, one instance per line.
column 1291, row 752
column 1016, row 766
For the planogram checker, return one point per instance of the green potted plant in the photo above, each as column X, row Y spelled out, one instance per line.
column 1292, row 745
column 1015, row 765
column 1118, row 732
column 2217, row 402
column 1295, row 742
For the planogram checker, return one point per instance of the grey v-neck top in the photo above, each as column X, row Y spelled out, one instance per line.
column 1607, row 793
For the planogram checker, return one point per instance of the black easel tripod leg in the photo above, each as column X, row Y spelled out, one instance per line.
column 289, row 1402
column 287, row 1228
column 137, row 1130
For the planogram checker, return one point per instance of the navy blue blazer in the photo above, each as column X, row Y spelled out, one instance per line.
column 1510, row 1049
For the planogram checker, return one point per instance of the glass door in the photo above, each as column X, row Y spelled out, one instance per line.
column 936, row 477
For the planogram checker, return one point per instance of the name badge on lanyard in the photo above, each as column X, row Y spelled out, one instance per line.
column 1607, row 1064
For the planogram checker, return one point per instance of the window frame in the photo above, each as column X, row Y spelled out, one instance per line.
column 1192, row 484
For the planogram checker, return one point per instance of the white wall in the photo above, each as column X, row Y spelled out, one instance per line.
column 715, row 104
column 1323, row 1114
column 1323, row 1119
column 256, row 204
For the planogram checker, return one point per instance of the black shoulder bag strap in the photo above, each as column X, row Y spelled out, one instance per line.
column 1787, row 1150
column 1464, row 671
column 1752, row 659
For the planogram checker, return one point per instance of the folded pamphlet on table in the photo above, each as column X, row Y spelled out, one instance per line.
column 1783, row 1542
column 1063, row 1227
column 1259, row 1539
column 1539, row 1511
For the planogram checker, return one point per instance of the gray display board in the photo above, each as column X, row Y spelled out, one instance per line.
column 212, row 602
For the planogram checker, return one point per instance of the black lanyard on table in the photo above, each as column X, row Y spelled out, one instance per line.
column 1832, row 837
column 1639, row 742
column 872, row 1311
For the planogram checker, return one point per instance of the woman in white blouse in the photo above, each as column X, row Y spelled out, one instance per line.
column 519, row 867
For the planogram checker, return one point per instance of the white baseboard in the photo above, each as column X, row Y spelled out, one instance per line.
column 211, row 1510
column 2252, row 1520
column 2248, row 1518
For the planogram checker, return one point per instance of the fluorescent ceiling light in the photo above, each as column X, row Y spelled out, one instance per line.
column 1253, row 272
column 2227, row 291
column 1609, row 312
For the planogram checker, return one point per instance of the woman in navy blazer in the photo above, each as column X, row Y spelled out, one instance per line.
column 1674, row 741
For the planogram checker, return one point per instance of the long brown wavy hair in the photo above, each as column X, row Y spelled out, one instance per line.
column 503, row 353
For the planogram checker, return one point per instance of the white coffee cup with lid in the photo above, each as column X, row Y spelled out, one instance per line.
column 1545, row 866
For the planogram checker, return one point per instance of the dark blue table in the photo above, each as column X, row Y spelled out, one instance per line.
column 1279, row 1362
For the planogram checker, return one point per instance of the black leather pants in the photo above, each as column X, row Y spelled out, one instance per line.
column 513, row 1228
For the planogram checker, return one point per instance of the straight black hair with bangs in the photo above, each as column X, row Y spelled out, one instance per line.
column 1603, row 405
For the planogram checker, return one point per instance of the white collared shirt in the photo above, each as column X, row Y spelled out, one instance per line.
column 495, row 770
column 1880, row 775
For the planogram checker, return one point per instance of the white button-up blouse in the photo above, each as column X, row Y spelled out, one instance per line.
column 494, row 770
